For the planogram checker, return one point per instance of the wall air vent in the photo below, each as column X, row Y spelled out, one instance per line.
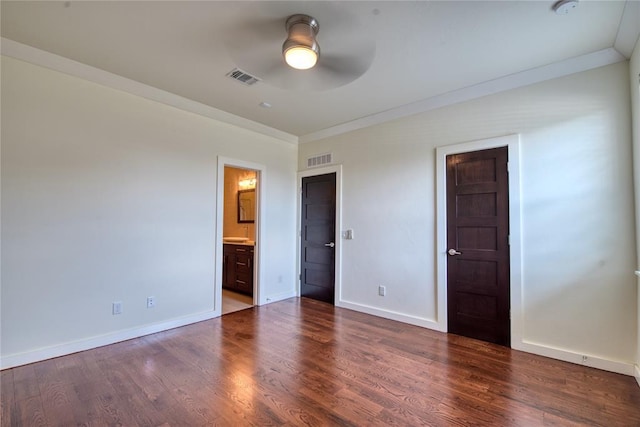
column 242, row 77
column 319, row 160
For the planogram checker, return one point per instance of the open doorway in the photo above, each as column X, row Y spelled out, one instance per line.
column 239, row 236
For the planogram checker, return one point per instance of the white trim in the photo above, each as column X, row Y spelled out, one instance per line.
column 59, row 63
column 32, row 356
column 516, row 275
column 515, row 227
column 258, row 275
column 577, row 358
column 393, row 315
column 578, row 64
column 629, row 30
column 636, row 373
column 280, row 297
column 512, row 81
column 337, row 169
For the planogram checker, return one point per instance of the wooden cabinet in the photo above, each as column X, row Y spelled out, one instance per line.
column 237, row 270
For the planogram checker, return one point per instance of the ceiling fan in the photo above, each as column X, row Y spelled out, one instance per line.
column 339, row 54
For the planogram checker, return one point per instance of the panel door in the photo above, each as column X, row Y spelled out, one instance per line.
column 317, row 278
column 478, row 290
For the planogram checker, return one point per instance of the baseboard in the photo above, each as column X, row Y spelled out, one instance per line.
column 637, row 373
column 392, row 315
column 278, row 297
column 40, row 354
column 527, row 346
column 577, row 358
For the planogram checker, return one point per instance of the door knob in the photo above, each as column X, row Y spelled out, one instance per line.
column 330, row 244
column 453, row 252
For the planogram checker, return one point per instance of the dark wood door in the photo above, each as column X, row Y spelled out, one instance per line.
column 478, row 300
column 317, row 278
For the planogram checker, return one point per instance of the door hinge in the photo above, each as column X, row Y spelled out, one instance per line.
column 300, row 277
column 507, row 166
column 509, row 239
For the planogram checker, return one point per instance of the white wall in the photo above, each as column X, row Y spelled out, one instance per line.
column 634, row 67
column 577, row 210
column 107, row 196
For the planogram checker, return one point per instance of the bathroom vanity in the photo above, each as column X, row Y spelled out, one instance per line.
column 237, row 271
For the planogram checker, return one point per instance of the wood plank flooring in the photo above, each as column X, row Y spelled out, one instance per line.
column 301, row 362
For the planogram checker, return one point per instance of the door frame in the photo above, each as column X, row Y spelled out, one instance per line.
column 261, row 175
column 337, row 169
column 512, row 142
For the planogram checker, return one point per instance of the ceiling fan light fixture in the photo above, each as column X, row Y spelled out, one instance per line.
column 301, row 57
column 300, row 50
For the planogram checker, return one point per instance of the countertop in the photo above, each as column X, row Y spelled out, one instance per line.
column 247, row 243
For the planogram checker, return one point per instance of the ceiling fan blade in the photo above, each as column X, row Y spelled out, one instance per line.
column 256, row 30
column 331, row 72
column 255, row 43
column 349, row 65
column 284, row 77
column 334, row 71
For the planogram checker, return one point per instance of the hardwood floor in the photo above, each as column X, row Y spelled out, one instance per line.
column 302, row 362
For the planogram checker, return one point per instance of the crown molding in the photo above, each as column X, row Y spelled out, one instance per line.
column 512, row 81
column 68, row 66
column 578, row 64
column 629, row 29
column 626, row 40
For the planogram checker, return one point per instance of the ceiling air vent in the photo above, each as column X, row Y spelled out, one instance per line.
column 319, row 160
column 242, row 77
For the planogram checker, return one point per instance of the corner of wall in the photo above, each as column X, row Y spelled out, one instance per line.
column 634, row 87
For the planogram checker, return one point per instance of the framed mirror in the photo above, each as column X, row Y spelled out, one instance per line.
column 246, row 206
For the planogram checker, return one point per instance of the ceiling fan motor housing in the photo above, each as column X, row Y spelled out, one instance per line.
column 302, row 30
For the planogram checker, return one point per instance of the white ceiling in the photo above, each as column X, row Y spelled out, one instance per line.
column 419, row 51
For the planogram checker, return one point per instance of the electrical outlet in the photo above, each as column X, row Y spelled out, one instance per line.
column 116, row 308
column 382, row 290
column 151, row 302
